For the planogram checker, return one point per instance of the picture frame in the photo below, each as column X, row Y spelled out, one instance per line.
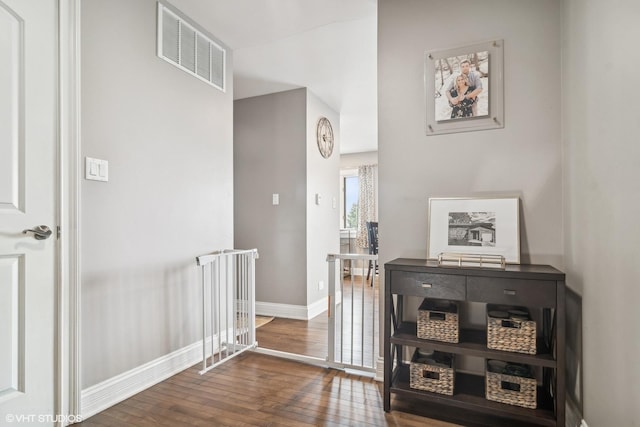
column 475, row 226
column 481, row 107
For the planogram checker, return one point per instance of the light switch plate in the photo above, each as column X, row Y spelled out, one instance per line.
column 96, row 169
column 275, row 199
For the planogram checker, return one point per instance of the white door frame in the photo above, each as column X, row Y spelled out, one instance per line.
column 67, row 330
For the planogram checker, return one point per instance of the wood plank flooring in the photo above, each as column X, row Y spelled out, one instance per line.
column 306, row 337
column 309, row 337
column 258, row 390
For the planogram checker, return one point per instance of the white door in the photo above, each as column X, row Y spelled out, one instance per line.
column 28, row 150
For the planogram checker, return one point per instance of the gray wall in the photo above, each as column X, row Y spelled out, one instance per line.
column 270, row 157
column 168, row 139
column 602, row 201
column 580, row 184
column 275, row 151
column 523, row 159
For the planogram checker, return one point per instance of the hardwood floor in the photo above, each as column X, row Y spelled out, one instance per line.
column 304, row 337
column 309, row 337
column 258, row 390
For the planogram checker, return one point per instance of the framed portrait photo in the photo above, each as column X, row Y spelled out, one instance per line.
column 475, row 226
column 464, row 88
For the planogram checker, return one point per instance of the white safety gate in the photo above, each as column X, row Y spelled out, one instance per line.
column 228, row 305
column 353, row 312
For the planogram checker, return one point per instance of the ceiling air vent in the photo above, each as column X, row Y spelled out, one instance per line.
column 190, row 49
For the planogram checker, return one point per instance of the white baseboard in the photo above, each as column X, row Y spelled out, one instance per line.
column 101, row 396
column 289, row 311
column 317, row 307
column 380, row 369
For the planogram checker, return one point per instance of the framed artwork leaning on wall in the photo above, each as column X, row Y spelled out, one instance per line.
column 476, row 226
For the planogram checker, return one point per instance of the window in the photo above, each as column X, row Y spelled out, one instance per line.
column 351, row 191
column 350, row 187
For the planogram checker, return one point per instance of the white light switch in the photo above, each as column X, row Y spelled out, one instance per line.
column 96, row 169
column 103, row 169
column 334, row 203
column 318, row 198
column 275, row 199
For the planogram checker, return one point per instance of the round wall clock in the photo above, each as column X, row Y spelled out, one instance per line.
column 324, row 135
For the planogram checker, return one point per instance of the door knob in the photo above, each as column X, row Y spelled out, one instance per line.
column 40, row 232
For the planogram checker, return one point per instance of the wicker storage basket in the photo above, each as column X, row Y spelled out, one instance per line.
column 510, row 389
column 427, row 374
column 510, row 333
column 438, row 320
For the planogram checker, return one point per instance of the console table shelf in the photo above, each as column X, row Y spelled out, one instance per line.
column 532, row 286
column 470, row 394
column 473, row 342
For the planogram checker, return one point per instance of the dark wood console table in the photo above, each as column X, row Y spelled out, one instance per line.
column 539, row 287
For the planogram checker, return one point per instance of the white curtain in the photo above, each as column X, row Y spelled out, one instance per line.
column 367, row 205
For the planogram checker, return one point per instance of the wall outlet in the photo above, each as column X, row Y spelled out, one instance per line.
column 321, row 285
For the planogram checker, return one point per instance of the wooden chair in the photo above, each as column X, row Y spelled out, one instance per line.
column 372, row 234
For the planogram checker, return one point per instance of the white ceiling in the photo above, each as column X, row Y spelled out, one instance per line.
column 328, row 46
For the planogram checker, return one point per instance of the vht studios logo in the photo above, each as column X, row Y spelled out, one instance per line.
column 43, row 418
